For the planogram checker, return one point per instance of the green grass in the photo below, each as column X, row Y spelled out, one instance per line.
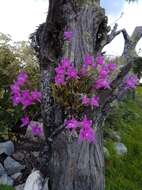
column 5, row 187
column 125, row 173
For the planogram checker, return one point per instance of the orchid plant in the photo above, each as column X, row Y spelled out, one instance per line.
column 77, row 89
column 24, row 99
column 74, row 89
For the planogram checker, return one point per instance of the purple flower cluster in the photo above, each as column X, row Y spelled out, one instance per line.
column 97, row 74
column 21, row 79
column 72, row 123
column 100, row 60
column 101, row 71
column 88, row 60
column 23, row 97
column 104, row 71
column 86, row 133
column 68, row 35
column 25, row 120
column 15, row 88
column 131, row 81
column 88, row 63
column 37, row 128
column 102, row 83
column 64, row 72
column 94, row 101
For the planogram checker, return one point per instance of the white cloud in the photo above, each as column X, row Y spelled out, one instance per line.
column 19, row 18
column 131, row 18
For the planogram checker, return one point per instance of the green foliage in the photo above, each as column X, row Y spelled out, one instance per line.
column 29, row 62
column 138, row 67
column 125, row 172
column 67, row 95
column 5, row 187
column 9, row 67
column 14, row 57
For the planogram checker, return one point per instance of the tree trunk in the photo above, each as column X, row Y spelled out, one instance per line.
column 77, row 166
column 71, row 165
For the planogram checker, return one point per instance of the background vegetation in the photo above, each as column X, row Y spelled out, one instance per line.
column 125, row 172
column 14, row 57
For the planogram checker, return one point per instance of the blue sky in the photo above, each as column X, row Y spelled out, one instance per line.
column 112, row 7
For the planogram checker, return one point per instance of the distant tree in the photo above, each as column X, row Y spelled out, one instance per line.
column 9, row 64
column 28, row 61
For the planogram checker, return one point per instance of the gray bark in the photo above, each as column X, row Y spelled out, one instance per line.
column 70, row 165
column 76, row 165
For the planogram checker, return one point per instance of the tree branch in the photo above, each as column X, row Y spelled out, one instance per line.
column 137, row 34
column 112, row 34
column 131, row 42
column 115, row 33
column 117, row 95
column 125, row 35
column 129, row 56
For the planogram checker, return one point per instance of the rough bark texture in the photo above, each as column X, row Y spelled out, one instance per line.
column 70, row 165
column 76, row 165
